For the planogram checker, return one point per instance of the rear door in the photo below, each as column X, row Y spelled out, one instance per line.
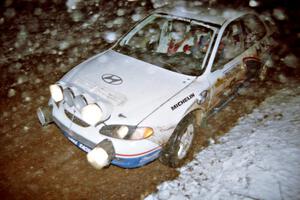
column 257, row 44
column 227, row 69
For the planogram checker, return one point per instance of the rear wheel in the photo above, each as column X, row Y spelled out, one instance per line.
column 179, row 145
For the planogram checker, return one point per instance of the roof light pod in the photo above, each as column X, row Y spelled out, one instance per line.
column 91, row 114
column 56, row 92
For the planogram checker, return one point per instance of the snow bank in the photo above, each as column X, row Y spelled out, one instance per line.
column 258, row 159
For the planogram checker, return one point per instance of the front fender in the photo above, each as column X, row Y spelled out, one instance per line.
column 165, row 119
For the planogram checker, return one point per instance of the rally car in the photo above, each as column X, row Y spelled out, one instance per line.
column 146, row 97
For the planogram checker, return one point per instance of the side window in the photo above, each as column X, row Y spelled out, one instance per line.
column 231, row 45
column 253, row 29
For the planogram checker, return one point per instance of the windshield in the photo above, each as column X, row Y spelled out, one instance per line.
column 170, row 43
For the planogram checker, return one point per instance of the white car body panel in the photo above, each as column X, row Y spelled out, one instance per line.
column 144, row 95
column 144, row 88
column 161, row 118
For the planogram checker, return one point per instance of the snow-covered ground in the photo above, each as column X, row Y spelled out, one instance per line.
column 258, row 159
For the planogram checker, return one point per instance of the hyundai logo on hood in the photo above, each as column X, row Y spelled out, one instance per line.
column 112, row 79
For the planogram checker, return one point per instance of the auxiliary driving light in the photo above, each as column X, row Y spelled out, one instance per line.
column 69, row 96
column 101, row 155
column 91, row 114
column 98, row 158
column 44, row 115
column 56, row 92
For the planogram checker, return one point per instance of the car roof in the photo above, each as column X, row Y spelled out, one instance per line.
column 217, row 16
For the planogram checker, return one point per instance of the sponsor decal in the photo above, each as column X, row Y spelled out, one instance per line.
column 180, row 103
column 112, row 79
column 73, row 141
column 79, row 145
column 84, row 148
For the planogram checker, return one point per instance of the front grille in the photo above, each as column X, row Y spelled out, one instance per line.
column 76, row 120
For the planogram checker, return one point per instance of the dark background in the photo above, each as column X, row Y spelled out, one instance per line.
column 40, row 41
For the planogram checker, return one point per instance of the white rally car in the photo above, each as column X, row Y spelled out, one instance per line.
column 145, row 97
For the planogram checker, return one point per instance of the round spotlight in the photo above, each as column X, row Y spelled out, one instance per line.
column 91, row 114
column 98, row 158
column 69, row 96
column 45, row 115
column 79, row 102
column 56, row 92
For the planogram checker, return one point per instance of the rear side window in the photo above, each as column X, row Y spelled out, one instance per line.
column 231, row 45
column 253, row 28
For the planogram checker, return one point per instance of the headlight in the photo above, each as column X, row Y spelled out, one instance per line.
column 91, row 114
column 56, row 92
column 126, row 132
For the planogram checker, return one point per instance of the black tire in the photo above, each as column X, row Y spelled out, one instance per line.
column 176, row 151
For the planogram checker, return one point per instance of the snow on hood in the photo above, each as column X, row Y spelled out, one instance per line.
column 137, row 87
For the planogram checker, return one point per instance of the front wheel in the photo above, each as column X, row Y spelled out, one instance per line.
column 179, row 145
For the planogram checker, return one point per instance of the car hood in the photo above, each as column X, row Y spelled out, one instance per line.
column 132, row 89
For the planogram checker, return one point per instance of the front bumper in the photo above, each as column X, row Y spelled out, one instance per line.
column 125, row 161
column 128, row 154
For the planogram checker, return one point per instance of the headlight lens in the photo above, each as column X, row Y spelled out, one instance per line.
column 56, row 92
column 91, row 114
column 127, row 132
